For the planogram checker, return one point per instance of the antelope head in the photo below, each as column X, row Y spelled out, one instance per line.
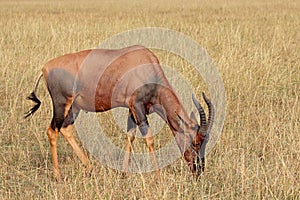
column 194, row 152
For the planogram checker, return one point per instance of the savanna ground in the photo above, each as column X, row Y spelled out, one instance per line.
column 255, row 45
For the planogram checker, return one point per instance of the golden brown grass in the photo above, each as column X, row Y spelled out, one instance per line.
column 256, row 47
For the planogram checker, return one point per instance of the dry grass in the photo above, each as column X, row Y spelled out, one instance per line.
column 256, row 46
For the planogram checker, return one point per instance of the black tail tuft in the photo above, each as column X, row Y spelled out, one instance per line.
column 33, row 97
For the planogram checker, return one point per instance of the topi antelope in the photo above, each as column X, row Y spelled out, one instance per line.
column 100, row 79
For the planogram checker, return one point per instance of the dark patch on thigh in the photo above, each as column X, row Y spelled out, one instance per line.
column 60, row 84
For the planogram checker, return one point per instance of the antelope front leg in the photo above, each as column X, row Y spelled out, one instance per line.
column 131, row 131
column 128, row 148
column 149, row 140
column 53, row 136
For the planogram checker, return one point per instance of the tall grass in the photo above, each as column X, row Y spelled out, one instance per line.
column 256, row 47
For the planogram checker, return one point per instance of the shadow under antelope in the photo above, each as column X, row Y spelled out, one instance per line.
column 98, row 80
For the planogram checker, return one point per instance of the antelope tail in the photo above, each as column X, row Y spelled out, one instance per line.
column 34, row 98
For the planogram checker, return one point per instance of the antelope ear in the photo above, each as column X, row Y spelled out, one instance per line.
column 193, row 117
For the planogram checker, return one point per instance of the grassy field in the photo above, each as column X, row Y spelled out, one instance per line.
column 256, row 46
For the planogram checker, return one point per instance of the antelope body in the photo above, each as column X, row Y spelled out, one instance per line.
column 98, row 80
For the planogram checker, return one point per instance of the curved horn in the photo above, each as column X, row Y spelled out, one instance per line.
column 211, row 115
column 203, row 124
column 204, row 128
column 211, row 112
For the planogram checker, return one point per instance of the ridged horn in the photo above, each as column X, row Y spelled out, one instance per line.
column 211, row 113
column 203, row 124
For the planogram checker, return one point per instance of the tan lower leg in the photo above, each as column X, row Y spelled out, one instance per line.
column 149, row 139
column 128, row 148
column 67, row 133
column 53, row 136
